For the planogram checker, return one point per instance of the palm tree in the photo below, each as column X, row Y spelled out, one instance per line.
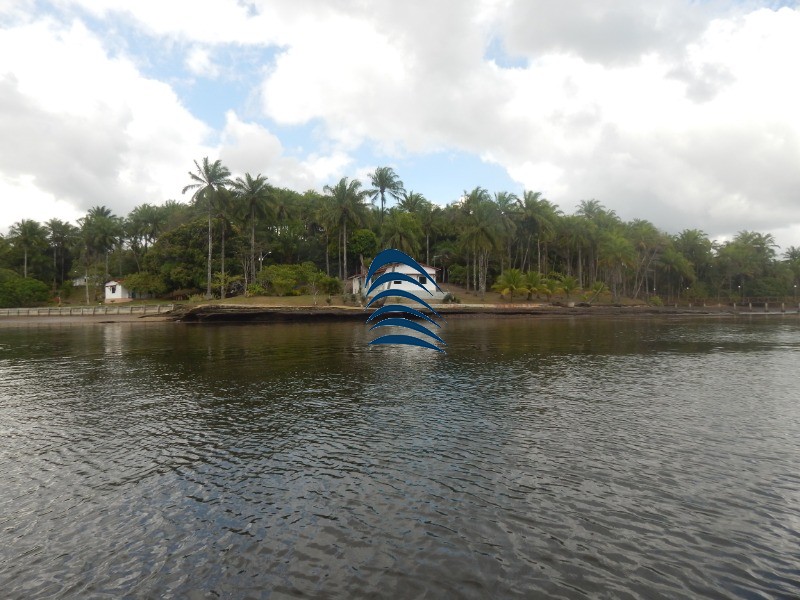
column 100, row 231
column 481, row 230
column 255, row 193
column 208, row 181
column 616, row 253
column 346, row 206
column 550, row 286
column 427, row 215
column 412, row 202
column 676, row 266
column 649, row 242
column 792, row 254
column 143, row 226
column 508, row 205
column 61, row 236
column 601, row 221
column 385, row 181
column 538, row 218
column 511, row 282
column 533, row 283
column 576, row 232
column 401, row 230
column 28, row 235
column 223, row 202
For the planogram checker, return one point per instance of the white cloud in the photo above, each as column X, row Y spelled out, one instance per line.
column 682, row 113
column 21, row 198
column 251, row 148
column 222, row 21
column 199, row 62
column 83, row 128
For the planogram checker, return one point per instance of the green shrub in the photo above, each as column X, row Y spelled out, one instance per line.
column 256, row 289
column 21, row 291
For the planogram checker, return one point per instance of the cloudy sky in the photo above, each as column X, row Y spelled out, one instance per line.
column 683, row 112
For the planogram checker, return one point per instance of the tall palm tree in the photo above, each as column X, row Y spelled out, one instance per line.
column 427, row 215
column 402, row 230
column 30, row 236
column 255, row 193
column 100, row 231
column 538, row 219
column 223, row 204
column 481, row 231
column 347, row 207
column 508, row 207
column 648, row 242
column 61, row 236
column 143, row 226
column 616, row 253
column 412, row 202
column 208, row 181
column 385, row 181
column 602, row 221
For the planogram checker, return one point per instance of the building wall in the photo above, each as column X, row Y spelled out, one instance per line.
column 116, row 292
column 408, row 287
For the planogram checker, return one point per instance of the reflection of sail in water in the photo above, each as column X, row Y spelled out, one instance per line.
column 112, row 338
column 419, row 333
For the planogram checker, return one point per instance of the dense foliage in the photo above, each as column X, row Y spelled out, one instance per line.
column 244, row 235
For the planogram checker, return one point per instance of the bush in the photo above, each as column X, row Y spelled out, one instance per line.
column 256, row 289
column 145, row 283
column 292, row 280
column 450, row 298
column 656, row 301
column 21, row 291
column 457, row 274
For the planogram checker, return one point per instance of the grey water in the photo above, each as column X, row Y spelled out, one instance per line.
column 565, row 458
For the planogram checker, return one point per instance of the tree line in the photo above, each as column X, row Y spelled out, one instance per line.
column 245, row 236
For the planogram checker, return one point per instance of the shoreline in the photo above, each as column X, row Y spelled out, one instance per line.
column 233, row 313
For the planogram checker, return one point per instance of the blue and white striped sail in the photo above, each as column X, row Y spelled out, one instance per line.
column 393, row 313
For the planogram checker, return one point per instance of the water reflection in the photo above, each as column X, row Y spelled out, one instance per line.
column 536, row 458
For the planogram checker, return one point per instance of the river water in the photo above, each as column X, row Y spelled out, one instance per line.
column 536, row 458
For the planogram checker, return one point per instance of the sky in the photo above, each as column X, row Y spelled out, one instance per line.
column 682, row 112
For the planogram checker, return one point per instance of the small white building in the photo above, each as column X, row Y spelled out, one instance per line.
column 360, row 286
column 117, row 292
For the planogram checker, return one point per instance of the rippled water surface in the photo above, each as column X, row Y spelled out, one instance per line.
column 616, row 459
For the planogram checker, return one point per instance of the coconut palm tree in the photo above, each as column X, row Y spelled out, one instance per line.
column 538, row 219
column 412, row 202
column 142, row 227
column 616, row 253
column 385, row 182
column 346, row 206
column 402, row 230
column 208, row 180
column 511, row 282
column 255, row 194
column 30, row 236
column 62, row 236
column 481, row 231
column 100, row 231
column 427, row 215
column 508, row 207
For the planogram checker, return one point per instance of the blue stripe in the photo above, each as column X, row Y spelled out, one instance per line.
column 395, row 308
column 403, row 294
column 409, row 324
column 390, row 255
column 394, row 275
column 406, row 340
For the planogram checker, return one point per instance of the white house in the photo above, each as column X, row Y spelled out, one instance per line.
column 360, row 286
column 117, row 292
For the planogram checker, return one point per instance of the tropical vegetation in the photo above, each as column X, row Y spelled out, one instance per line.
column 244, row 235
